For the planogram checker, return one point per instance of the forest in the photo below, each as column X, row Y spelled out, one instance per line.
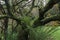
column 29, row 19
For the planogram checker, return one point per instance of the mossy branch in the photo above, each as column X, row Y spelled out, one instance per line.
column 42, row 11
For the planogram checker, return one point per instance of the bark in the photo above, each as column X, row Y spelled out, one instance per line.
column 6, row 27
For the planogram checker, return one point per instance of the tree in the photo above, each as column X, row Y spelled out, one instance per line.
column 15, row 10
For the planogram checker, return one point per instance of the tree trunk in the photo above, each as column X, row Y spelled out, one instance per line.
column 5, row 26
column 23, row 35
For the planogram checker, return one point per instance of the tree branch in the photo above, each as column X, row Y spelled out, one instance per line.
column 8, row 8
column 49, row 5
column 49, row 19
column 14, row 18
column 18, row 3
column 31, row 7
